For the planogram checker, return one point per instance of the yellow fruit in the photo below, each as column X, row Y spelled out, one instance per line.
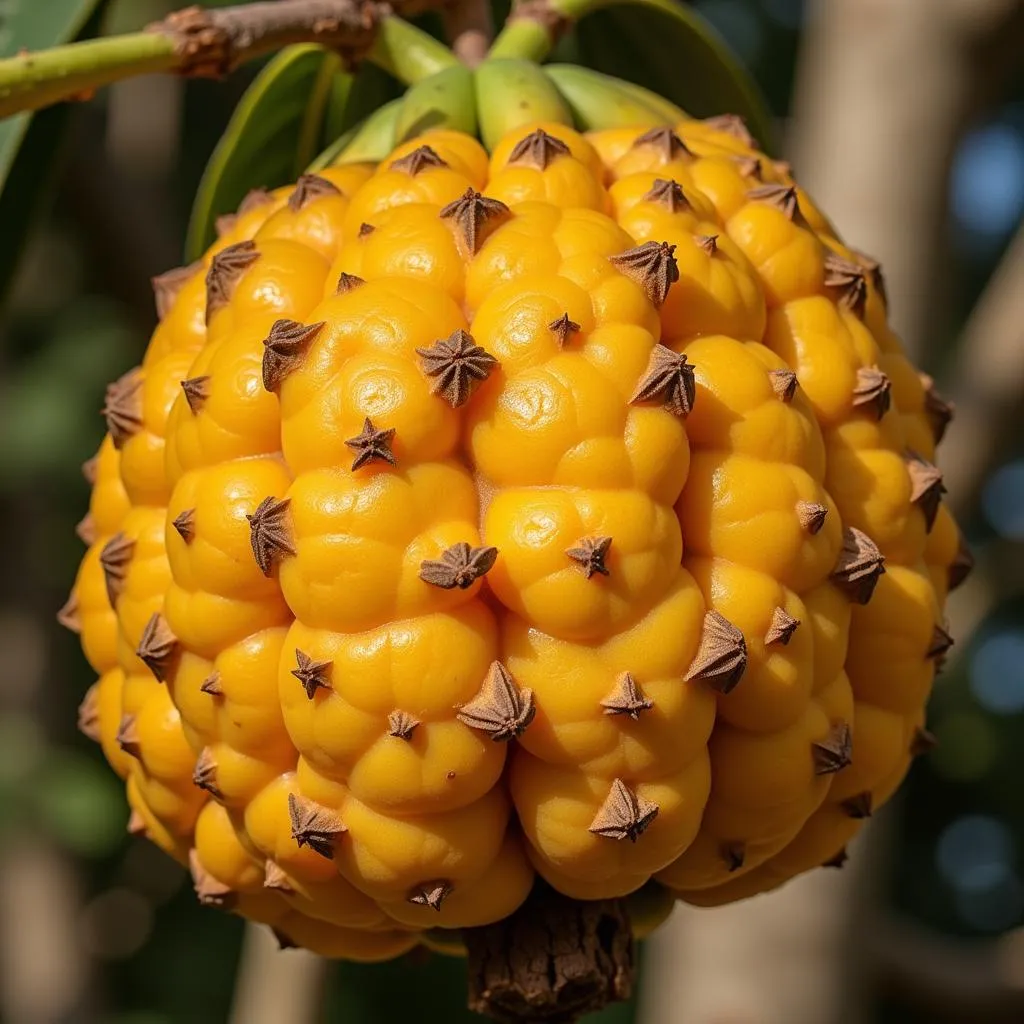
column 566, row 511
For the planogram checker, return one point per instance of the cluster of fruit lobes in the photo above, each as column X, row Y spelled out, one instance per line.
column 568, row 510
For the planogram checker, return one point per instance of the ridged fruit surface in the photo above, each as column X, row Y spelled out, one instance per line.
column 564, row 511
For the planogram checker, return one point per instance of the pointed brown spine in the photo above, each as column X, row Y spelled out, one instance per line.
column 401, row 724
column 420, row 159
column 212, row 685
column 471, row 214
column 962, row 564
column 859, row 806
column 197, row 390
column 669, row 194
column 314, row 825
column 85, row 528
column 708, row 244
column 923, row 742
column 210, row 891
column 347, row 282
column 940, row 643
column 372, row 445
column 89, row 714
column 837, row 860
column 936, row 408
column 731, row 124
column 811, row 515
column 167, row 285
column 185, row 525
column 226, row 268
column 539, row 149
column 308, row 188
column 205, row 774
column 626, row 699
column 860, row 566
column 431, row 894
column 501, row 709
column 784, row 384
column 623, row 815
column 721, row 658
column 123, row 407
column 114, row 560
column 158, row 647
column 457, row 366
column 459, row 566
column 591, row 553
column 873, row 391
column 68, row 615
column 90, row 468
column 670, row 380
column 284, row 349
column 136, row 824
column 128, row 737
column 734, row 854
column 652, row 266
column 275, row 878
column 314, row 675
column 833, row 753
column 564, row 329
column 668, row 144
column 781, row 628
column 783, row 198
column 268, row 533
column 926, row 486
column 849, row 281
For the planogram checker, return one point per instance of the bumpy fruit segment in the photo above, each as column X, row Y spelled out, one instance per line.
column 568, row 511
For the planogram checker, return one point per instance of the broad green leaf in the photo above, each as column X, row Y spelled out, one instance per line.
column 275, row 131
column 668, row 47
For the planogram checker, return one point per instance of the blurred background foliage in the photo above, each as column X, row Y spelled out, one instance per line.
column 78, row 312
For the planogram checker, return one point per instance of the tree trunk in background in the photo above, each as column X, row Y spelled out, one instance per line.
column 884, row 88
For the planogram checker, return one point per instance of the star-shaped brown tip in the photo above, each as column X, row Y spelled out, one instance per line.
column 782, row 197
column 401, row 724
column 926, row 486
column 471, row 214
column 268, row 533
column 284, row 349
column 626, row 698
column 158, row 647
column 114, row 560
column 308, row 188
column 652, row 265
column 254, row 199
column 874, row 269
column 459, row 566
column 538, row 149
column 563, row 329
column 591, row 553
column 848, row 280
column 962, row 564
column 784, row 384
column 860, row 566
column 136, row 824
column 372, row 445
column 275, row 878
column 838, row 860
column 123, row 407
column 430, row 894
column 347, row 282
column 834, row 752
column 500, row 709
column 212, row 685
column 68, row 615
column 366, row 229
column 668, row 380
column 166, row 287
column 623, row 815
column 314, row 675
column 418, row 160
column 667, row 193
column 734, row 854
column 872, row 391
column 667, row 143
column 90, row 468
column 859, row 806
column 922, row 742
column 185, row 525
column 457, row 366
column 781, row 628
column 211, row 891
column 811, row 516
column 89, row 714
column 748, row 166
column 226, row 269
column 939, row 644
column 128, row 737
column 721, row 658
column 313, row 825
column 938, row 411
column 731, row 124
column 197, row 390
column 205, row 774
column 85, row 528
column 225, row 224
column 708, row 244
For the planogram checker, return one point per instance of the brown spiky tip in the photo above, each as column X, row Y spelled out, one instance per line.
column 401, row 724
column 731, row 124
column 158, row 647
column 667, row 193
column 834, row 752
column 136, row 824
column 721, row 658
column 872, row 391
column 114, row 561
column 874, row 269
column 254, row 199
column 197, row 390
column 122, row 408
column 366, row 229
column 284, row 349
column 922, row 742
column 939, row 644
column 708, row 244
column 268, row 533
column 811, row 516
column 838, row 860
column 85, row 528
column 665, row 141
column 538, row 149
column 859, row 806
column 418, row 160
column 226, row 268
column 68, row 615
column 372, row 445
column 734, row 854
column 748, row 166
column 211, row 891
column 314, row 675
column 430, row 894
column 225, row 224
column 205, row 774
column 275, row 878
column 652, row 265
column 781, row 628
column 166, row 286
column 90, row 468
column 212, row 685
column 626, row 698
column 471, row 214
column 784, row 384
column 926, row 486
column 185, row 525
column 459, row 566
column 501, row 709
column 783, row 168
column 89, row 714
column 308, row 188
column 939, row 412
column 563, row 329
column 860, row 566
column 668, row 380
column 314, row 825
column 962, row 565
column 783, row 198
column 590, row 553
column 849, row 281
column 457, row 366
column 128, row 737
column 283, row 941
column 623, row 815
column 347, row 282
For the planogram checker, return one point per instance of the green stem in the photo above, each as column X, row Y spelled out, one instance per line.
column 409, row 53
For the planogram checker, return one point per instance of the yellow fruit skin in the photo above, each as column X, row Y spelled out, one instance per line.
column 296, row 692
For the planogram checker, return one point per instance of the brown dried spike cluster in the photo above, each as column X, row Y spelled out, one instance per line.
column 665, row 141
column 653, row 267
column 268, row 533
column 308, row 188
column 626, row 698
column 500, row 709
column 873, row 391
column 471, row 213
column 782, row 197
column 834, row 752
column 89, row 714
column 114, row 560
column 623, row 815
column 923, row 742
column 781, row 628
column 123, row 407
column 210, row 891
column 563, row 329
column 314, row 825
column 401, row 724
column 860, row 565
column 734, row 854
column 590, row 553
column 275, row 878
column 346, row 282
column 939, row 645
column 212, row 685
column 538, row 149
column 668, row 194
column 372, row 445
column 721, row 658
column 418, row 160
column 936, row 408
column 459, row 566
column 431, row 894
column 731, row 124
column 68, row 615
column 708, row 244
column 784, row 384
column 458, row 365
column 185, row 525
column 158, row 647
column 128, row 737
column 926, row 486
column 669, row 380
column 197, row 390
column 205, row 774
column 849, row 281
column 859, row 806
column 284, row 348
column 811, row 515
column 314, row 675
column 167, row 285
column 225, row 270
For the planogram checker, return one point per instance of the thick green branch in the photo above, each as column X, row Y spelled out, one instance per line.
column 209, row 43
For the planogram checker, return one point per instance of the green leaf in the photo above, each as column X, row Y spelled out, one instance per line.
column 668, row 47
column 275, row 131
